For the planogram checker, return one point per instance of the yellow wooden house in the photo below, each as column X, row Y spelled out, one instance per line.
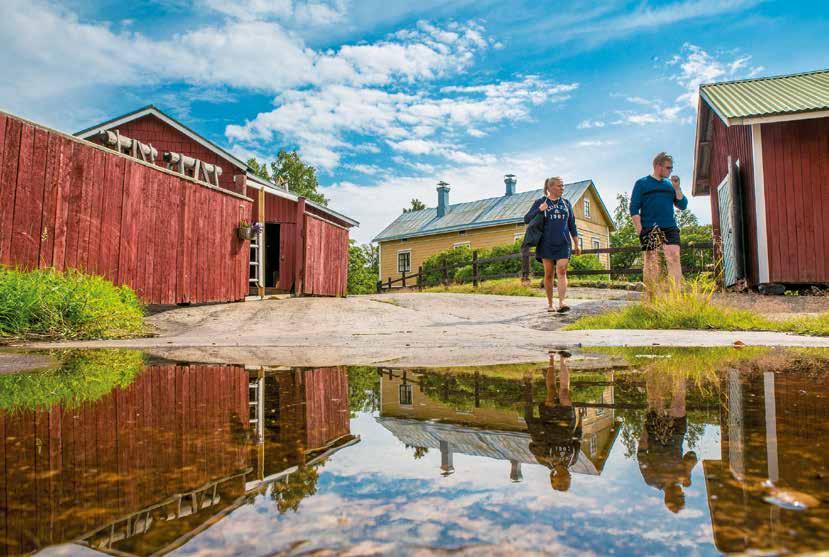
column 416, row 235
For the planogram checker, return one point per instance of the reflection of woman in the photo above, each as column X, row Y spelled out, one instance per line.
column 556, row 431
column 559, row 232
column 661, row 461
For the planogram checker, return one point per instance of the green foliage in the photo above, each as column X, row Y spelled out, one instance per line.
column 289, row 492
column 363, row 389
column 84, row 376
column 417, row 205
column 431, row 267
column 691, row 307
column 301, row 178
column 48, row 304
column 588, row 262
column 259, row 169
column 362, row 268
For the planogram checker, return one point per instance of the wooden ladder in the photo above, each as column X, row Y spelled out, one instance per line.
column 255, row 272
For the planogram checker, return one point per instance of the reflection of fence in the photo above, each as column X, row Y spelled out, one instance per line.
column 702, row 258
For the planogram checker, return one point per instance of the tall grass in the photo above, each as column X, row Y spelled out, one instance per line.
column 48, row 304
column 84, row 376
column 513, row 287
column 691, row 306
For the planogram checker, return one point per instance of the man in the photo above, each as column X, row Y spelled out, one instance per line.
column 652, row 208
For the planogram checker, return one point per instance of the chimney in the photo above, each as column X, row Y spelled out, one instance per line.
column 446, row 466
column 515, row 471
column 443, row 198
column 510, row 181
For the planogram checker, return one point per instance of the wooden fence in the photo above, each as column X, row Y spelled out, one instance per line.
column 702, row 257
column 70, row 204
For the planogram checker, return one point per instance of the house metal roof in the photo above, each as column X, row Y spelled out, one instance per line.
column 745, row 101
column 483, row 213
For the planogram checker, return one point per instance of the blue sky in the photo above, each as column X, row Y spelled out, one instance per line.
column 388, row 97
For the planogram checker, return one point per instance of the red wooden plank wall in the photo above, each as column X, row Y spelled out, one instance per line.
column 67, row 204
column 326, row 405
column 735, row 141
column 326, row 258
column 796, row 180
column 66, row 472
column 162, row 136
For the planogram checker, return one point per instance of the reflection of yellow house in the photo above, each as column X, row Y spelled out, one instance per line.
column 482, row 428
column 415, row 236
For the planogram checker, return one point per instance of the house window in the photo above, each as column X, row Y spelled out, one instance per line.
column 404, row 394
column 593, row 444
column 404, row 261
column 596, row 243
column 462, row 244
column 587, row 208
column 581, row 242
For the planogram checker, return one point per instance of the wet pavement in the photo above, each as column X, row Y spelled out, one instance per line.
column 643, row 451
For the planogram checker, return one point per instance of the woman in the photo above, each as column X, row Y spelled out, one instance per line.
column 559, row 235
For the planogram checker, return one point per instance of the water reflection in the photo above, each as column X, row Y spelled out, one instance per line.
column 663, row 454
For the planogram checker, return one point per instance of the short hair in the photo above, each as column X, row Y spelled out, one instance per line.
column 662, row 158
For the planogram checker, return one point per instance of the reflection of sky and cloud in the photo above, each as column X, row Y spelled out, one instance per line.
column 660, row 458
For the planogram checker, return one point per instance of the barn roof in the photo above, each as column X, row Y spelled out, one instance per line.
column 152, row 110
column 483, row 213
column 755, row 100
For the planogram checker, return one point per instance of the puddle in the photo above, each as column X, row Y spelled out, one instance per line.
column 620, row 451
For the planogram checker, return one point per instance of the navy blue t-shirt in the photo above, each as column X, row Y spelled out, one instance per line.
column 654, row 201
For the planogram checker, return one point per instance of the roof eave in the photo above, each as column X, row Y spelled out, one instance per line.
column 449, row 229
column 273, row 189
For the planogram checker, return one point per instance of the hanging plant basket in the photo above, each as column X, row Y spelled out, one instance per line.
column 248, row 231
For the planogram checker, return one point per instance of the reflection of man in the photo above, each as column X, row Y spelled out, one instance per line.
column 556, row 431
column 661, row 461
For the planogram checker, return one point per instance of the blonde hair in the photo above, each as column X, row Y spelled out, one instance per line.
column 550, row 181
column 661, row 158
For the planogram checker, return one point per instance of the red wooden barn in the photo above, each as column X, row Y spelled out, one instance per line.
column 762, row 155
column 304, row 246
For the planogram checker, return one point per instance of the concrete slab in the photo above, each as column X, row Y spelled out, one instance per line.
column 399, row 329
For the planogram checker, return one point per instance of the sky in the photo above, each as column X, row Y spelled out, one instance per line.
column 387, row 97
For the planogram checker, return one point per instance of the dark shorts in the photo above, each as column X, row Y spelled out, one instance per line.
column 654, row 237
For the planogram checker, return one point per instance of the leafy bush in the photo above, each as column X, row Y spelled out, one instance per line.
column 45, row 303
column 432, row 273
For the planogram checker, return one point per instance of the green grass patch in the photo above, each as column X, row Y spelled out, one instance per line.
column 692, row 307
column 513, row 287
column 84, row 376
column 52, row 305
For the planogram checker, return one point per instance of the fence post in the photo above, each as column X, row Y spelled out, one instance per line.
column 445, row 274
column 404, row 279
column 420, row 278
column 389, row 284
column 475, row 268
column 379, row 286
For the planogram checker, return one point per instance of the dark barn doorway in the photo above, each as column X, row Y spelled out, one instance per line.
column 271, row 255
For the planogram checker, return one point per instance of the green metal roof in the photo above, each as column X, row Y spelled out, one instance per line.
column 738, row 101
column 482, row 213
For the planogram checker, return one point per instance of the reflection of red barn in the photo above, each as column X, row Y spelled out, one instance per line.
column 770, row 216
column 305, row 244
column 68, row 472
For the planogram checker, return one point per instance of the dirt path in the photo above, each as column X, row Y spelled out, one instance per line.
column 397, row 329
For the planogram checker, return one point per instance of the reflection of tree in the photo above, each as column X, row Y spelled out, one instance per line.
column 289, row 492
column 419, row 452
column 363, row 389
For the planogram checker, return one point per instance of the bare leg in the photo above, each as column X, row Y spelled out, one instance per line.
column 548, row 280
column 674, row 264
column 550, row 381
column 564, row 384
column 651, row 272
column 561, row 272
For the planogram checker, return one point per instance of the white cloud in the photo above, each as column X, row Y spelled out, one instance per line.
column 313, row 12
column 587, row 124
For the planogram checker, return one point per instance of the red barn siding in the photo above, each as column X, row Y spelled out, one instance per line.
column 735, row 141
column 796, row 185
column 67, row 204
column 164, row 137
column 326, row 258
column 71, row 471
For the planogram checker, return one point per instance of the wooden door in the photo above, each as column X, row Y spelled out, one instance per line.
column 731, row 224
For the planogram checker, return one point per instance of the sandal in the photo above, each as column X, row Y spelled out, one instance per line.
column 564, row 309
column 551, row 309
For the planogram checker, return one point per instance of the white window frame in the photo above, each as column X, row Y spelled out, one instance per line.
column 596, row 242
column 586, row 208
column 461, row 244
column 409, row 394
column 581, row 242
column 408, row 251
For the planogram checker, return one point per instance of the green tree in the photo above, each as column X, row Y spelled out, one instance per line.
column 363, row 389
column 417, row 205
column 362, row 268
column 259, row 169
column 624, row 235
column 300, row 178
